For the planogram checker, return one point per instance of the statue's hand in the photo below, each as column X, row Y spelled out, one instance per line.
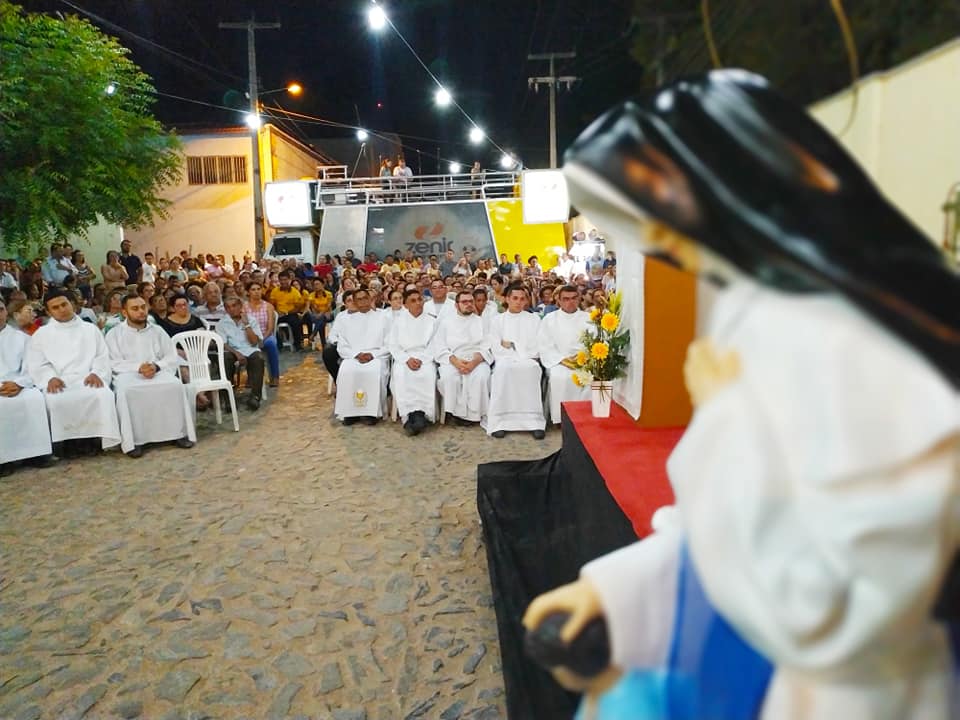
column 708, row 369
column 567, row 634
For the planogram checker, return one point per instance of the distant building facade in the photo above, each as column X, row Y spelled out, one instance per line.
column 212, row 206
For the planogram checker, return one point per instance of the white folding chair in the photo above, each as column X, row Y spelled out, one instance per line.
column 196, row 345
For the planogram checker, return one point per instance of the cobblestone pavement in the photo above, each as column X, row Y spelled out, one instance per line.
column 297, row 568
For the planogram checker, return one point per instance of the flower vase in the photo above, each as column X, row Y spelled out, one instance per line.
column 601, row 393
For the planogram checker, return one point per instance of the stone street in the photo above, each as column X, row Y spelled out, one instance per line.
column 297, row 568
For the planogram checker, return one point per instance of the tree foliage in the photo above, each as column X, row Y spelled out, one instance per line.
column 797, row 44
column 69, row 150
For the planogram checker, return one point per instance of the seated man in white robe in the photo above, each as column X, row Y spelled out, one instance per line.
column 559, row 341
column 152, row 402
column 438, row 305
column 364, row 363
column 464, row 358
column 484, row 308
column 24, row 431
column 69, row 361
column 414, row 377
column 515, row 399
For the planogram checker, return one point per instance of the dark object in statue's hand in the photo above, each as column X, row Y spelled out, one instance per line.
column 587, row 655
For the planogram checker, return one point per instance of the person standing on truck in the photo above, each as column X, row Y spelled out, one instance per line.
column 403, row 175
column 386, row 172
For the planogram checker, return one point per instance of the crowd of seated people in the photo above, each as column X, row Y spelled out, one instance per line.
column 479, row 329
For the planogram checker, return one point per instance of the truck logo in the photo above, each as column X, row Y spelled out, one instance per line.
column 426, row 246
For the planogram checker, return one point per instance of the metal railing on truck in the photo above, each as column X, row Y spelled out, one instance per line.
column 418, row 189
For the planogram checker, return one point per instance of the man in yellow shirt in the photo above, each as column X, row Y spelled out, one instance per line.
column 319, row 310
column 289, row 303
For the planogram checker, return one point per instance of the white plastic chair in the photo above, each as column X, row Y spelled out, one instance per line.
column 283, row 331
column 196, row 345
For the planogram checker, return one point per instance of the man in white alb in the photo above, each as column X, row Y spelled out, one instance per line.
column 464, row 358
column 484, row 308
column 515, row 399
column 364, row 363
column 414, row 377
column 151, row 401
column 24, row 431
column 559, row 341
column 68, row 359
column 439, row 305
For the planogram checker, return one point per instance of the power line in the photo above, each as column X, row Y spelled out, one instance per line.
column 435, row 80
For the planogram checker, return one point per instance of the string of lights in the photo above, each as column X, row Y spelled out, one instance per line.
column 379, row 19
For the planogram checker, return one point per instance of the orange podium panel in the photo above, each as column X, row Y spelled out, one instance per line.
column 669, row 308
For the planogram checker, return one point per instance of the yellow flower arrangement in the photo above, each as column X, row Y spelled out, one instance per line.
column 603, row 355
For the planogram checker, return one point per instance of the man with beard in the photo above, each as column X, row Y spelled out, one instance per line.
column 464, row 358
column 151, row 402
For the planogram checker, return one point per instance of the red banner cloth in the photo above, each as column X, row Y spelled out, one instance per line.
column 632, row 460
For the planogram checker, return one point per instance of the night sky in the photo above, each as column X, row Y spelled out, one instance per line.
column 478, row 49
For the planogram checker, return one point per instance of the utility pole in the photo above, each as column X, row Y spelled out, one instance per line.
column 551, row 81
column 251, row 26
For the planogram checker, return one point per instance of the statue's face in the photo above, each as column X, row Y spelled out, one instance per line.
column 665, row 239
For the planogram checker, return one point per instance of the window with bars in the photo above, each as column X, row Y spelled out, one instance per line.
column 216, row 169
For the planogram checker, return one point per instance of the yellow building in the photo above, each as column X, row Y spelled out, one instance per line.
column 212, row 206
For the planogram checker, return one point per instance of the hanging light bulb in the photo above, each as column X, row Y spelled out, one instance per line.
column 377, row 18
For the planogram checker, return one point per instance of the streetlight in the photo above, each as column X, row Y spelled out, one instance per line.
column 455, row 168
column 377, row 18
column 507, row 161
column 111, row 89
column 476, row 135
column 293, row 88
column 252, row 120
column 442, row 97
column 362, row 135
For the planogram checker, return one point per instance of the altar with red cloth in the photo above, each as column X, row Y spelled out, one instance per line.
column 544, row 519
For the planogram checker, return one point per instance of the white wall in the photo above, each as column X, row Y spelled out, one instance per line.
column 204, row 218
column 906, row 132
column 219, row 218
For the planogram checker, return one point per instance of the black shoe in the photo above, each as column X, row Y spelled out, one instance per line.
column 371, row 420
column 91, row 446
column 253, row 403
column 350, row 420
column 462, row 422
column 499, row 434
column 185, row 443
column 420, row 420
column 411, row 428
column 539, row 434
column 43, row 461
column 136, row 452
column 6, row 469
